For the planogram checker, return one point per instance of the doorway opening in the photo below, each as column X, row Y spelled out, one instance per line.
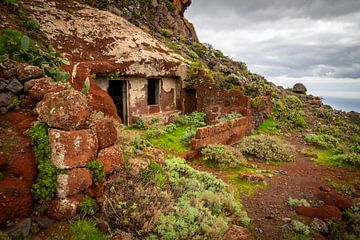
column 118, row 90
column 190, row 101
column 153, row 92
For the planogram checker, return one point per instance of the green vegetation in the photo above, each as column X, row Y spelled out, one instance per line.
column 322, row 140
column 222, row 156
column 229, row 117
column 195, row 120
column 336, row 159
column 140, row 143
column 172, row 140
column 243, row 186
column 85, row 230
column 97, row 170
column 167, row 32
column 18, row 47
column 267, row 148
column 294, row 202
column 87, row 206
column 352, row 159
column 155, row 173
column 289, row 112
column 139, row 124
column 300, row 227
column 10, row 2
column 170, row 5
column 86, row 88
column 15, row 102
column 45, row 187
column 269, row 126
column 203, row 207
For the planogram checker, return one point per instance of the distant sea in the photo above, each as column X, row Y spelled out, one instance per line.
column 341, row 94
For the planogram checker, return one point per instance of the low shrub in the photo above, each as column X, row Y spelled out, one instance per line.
column 300, row 227
column 140, row 143
column 267, row 148
column 293, row 202
column 170, row 128
column 188, row 136
column 222, row 156
column 85, row 229
column 195, row 119
column 139, row 124
column 167, row 32
column 87, row 206
column 289, row 111
column 352, row 159
column 322, row 140
column 229, row 117
column 154, row 173
column 97, row 170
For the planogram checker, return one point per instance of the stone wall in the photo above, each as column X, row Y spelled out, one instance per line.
column 222, row 133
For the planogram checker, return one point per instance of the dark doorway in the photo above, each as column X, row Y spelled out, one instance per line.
column 190, row 104
column 118, row 91
column 153, row 93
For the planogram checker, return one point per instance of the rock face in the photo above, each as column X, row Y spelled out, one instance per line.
column 299, row 88
column 66, row 110
column 105, row 132
column 29, row 72
column 64, row 208
column 73, row 182
column 72, row 149
column 323, row 212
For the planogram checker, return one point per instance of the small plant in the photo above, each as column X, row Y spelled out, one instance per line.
column 267, row 148
column 352, row 159
column 45, row 187
column 170, row 5
column 195, row 120
column 222, row 156
column 188, row 136
column 10, row 2
column 140, row 143
column 229, row 117
column 86, row 88
column 31, row 25
column 15, row 102
column 166, row 32
column 155, row 173
column 322, row 140
column 293, row 202
column 170, row 128
column 139, row 124
column 300, row 227
column 97, row 170
column 85, row 229
column 155, row 121
column 87, row 205
column 232, row 78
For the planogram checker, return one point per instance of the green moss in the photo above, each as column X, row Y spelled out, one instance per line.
column 85, row 229
column 269, row 126
column 45, row 187
column 244, row 187
column 172, row 141
column 87, row 205
column 97, row 170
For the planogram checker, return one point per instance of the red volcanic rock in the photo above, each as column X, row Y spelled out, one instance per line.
column 96, row 190
column 237, row 233
column 64, row 208
column 66, row 110
column 72, row 149
column 105, row 132
column 334, row 199
column 323, row 212
column 73, row 182
column 110, row 157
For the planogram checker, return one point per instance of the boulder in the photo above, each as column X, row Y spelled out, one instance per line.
column 323, row 212
column 105, row 132
column 21, row 230
column 319, row 225
column 27, row 72
column 6, row 98
column 66, row 110
column 64, row 208
column 3, row 85
column 72, row 149
column 235, row 232
column 15, row 86
column 37, row 88
column 316, row 101
column 334, row 199
column 111, row 157
column 96, row 190
column 73, row 182
column 299, row 88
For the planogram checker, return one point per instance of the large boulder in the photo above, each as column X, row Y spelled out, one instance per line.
column 72, row 149
column 299, row 88
column 111, row 157
column 324, row 212
column 66, row 110
column 105, row 132
column 73, row 182
column 26, row 72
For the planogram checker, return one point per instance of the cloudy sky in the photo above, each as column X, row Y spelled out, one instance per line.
column 316, row 42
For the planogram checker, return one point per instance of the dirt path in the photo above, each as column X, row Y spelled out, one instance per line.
column 268, row 207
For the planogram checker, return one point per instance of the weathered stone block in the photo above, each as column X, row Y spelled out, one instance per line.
column 27, row 72
column 105, row 132
column 67, row 110
column 72, row 149
column 64, row 208
column 73, row 182
column 15, row 86
column 110, row 157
